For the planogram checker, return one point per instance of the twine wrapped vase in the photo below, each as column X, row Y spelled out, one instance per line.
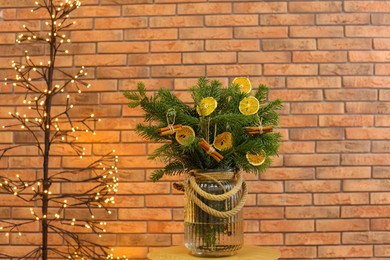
column 213, row 218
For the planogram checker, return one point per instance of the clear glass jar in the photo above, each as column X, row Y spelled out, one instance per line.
column 205, row 234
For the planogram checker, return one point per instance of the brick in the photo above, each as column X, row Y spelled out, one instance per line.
column 177, row 71
column 119, row 23
column 318, row 108
column 100, row 60
column 7, row 38
column 317, row 134
column 263, row 239
column 154, row 59
column 289, row 44
column 350, row 120
column 232, row 45
column 100, row 36
column 121, row 72
column 313, row 239
column 263, row 213
column 380, row 18
column 319, row 56
column 122, row 47
column 345, row 251
column 310, row 7
column 365, row 211
column 366, row 185
column 204, row 8
column 144, row 214
column 368, row 107
column 139, row 162
column 32, row 162
column 298, row 252
column 151, row 84
column 209, row 58
column 205, row 33
column 120, row 149
column 164, row 200
column 297, row 147
column 380, row 146
column 16, row 26
column 367, row 133
column 381, row 120
column 231, row 20
column 312, row 212
column 380, row 197
column 21, row 3
column 286, row 225
column 6, row 137
column 380, row 224
column 265, row 187
column 176, row 46
column 369, row 56
column 296, row 95
column 364, row 31
column 382, row 69
column 233, row 70
column 350, row 95
column 314, row 82
column 287, row 19
column 344, row 44
column 298, row 121
column 340, row 199
column 346, row 69
column 288, row 174
column 149, row 10
column 176, row 21
column 381, row 44
column 361, row 159
column 316, row 31
column 382, row 250
column 342, row 172
column 260, row 7
column 366, row 6
column 98, row 11
column 262, row 32
column 290, row 69
column 284, row 199
column 345, row 18
column 342, row 225
column 312, row 186
column 150, row 34
column 165, row 227
column 269, row 57
column 365, row 82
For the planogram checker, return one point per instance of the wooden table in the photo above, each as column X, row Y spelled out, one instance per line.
column 245, row 253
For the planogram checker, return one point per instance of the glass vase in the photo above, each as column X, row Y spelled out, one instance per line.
column 206, row 234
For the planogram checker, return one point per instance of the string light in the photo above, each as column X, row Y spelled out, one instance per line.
column 46, row 121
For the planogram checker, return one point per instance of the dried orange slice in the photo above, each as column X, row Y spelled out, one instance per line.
column 256, row 159
column 185, row 135
column 249, row 106
column 244, row 83
column 206, row 106
column 223, row 141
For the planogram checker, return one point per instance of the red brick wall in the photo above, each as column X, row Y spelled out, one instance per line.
column 327, row 195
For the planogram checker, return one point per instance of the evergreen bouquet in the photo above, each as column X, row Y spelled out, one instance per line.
column 225, row 128
column 224, row 132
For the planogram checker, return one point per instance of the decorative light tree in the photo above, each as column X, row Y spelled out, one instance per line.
column 41, row 83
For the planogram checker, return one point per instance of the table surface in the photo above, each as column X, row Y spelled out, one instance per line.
column 245, row 253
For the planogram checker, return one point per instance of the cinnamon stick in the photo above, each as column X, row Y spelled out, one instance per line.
column 253, row 130
column 167, row 130
column 210, row 150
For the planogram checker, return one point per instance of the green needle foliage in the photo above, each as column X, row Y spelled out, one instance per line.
column 164, row 107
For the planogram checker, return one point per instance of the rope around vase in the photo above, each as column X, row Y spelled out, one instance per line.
column 192, row 189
